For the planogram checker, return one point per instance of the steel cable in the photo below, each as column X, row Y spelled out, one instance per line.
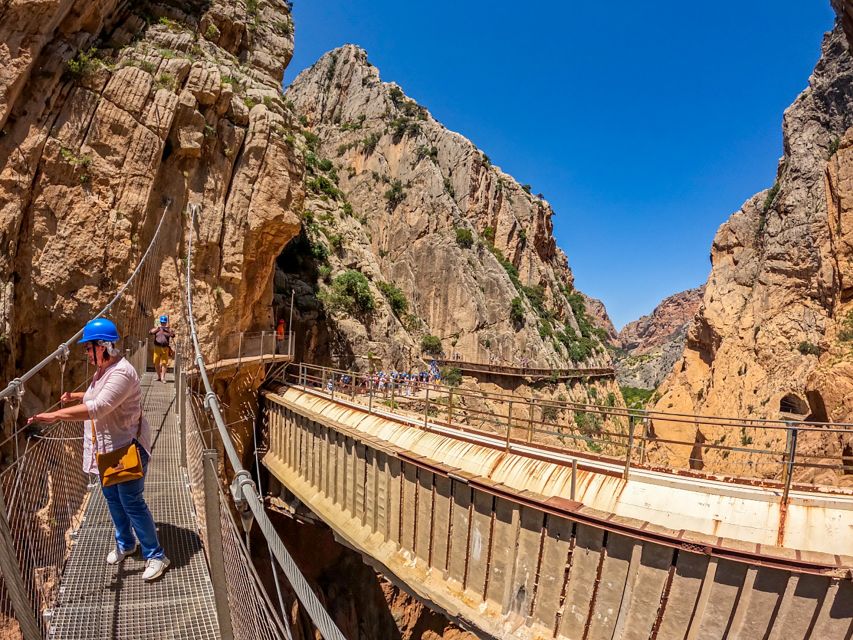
column 245, row 485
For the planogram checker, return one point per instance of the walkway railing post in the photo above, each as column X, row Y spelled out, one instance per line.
column 790, row 455
column 391, row 383
column 14, row 579
column 214, row 544
column 144, row 357
column 630, row 447
column 332, row 379
column 508, row 424
column 530, row 410
column 574, row 478
column 450, row 407
column 426, row 409
column 645, row 440
column 370, row 394
column 239, row 349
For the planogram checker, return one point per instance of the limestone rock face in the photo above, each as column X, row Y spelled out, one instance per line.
column 394, row 195
column 775, row 324
column 111, row 112
column 650, row 346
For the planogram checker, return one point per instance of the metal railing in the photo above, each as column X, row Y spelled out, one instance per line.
column 247, row 500
column 753, row 451
column 528, row 372
column 253, row 345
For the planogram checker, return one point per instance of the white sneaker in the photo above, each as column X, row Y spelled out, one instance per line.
column 115, row 556
column 154, row 568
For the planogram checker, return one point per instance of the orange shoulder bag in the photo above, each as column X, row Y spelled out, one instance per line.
column 120, row 465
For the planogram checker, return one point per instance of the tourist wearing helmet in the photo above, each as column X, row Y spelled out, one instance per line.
column 162, row 349
column 111, row 409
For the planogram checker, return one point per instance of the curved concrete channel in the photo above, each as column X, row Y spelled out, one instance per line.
column 493, row 539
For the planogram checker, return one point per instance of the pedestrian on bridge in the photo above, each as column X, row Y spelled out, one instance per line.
column 111, row 409
column 162, row 349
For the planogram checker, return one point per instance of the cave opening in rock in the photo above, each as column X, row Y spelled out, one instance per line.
column 793, row 405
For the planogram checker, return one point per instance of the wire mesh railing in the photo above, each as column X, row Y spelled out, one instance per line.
column 755, row 451
column 43, row 485
column 247, row 500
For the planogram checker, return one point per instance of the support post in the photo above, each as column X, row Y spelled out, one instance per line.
column 370, row 396
column 352, row 385
column 14, row 579
column 627, row 471
column 426, row 409
column 530, row 410
column 214, row 544
column 574, row 478
column 790, row 456
column 450, row 407
column 332, row 378
column 239, row 349
column 391, row 382
column 508, row 424
column 645, row 440
column 323, row 379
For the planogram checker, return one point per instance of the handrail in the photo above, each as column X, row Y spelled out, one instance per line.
column 16, row 386
column 560, row 372
column 520, row 425
column 244, row 487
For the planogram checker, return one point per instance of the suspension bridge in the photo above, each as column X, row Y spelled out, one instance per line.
column 517, row 517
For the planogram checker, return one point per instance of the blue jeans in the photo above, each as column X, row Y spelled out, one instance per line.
column 130, row 514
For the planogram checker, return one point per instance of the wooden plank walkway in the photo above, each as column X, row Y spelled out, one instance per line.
column 100, row 601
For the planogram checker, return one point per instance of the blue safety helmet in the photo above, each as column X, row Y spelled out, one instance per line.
column 100, row 329
column 164, row 319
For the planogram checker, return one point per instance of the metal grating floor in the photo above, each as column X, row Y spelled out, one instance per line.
column 99, row 601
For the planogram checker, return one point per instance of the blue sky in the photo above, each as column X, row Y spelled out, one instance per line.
column 645, row 125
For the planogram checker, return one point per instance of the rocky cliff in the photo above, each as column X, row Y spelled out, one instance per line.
column 111, row 111
column 412, row 232
column 650, row 346
column 776, row 325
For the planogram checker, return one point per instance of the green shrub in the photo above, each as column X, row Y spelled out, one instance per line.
column 325, row 164
column 448, row 187
column 335, row 241
column 771, row 196
column 396, row 95
column 451, row 376
column 396, row 298
column 846, row 332
column 350, row 291
column 425, row 151
column 431, row 345
column 212, row 32
column 319, row 251
column 311, row 139
column 464, row 237
column 833, row 147
column 347, row 209
column 636, row 398
column 395, row 195
column 369, row 143
column 516, row 310
column 322, row 185
column 526, row 187
column 489, row 234
column 84, row 63
column 807, row 348
column 536, row 296
column 550, row 412
column 324, row 271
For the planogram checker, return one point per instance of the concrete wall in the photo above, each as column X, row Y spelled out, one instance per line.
column 510, row 566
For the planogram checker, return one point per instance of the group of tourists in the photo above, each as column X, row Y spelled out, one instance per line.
column 407, row 383
column 117, row 438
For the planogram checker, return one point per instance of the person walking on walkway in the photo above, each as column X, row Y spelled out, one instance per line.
column 112, row 410
column 162, row 349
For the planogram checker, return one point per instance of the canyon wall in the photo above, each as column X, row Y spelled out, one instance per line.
column 111, row 113
column 448, row 244
column 774, row 334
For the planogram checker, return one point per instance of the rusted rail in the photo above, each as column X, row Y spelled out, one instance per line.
column 529, row 372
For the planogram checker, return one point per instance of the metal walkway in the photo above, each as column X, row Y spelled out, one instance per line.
column 97, row 600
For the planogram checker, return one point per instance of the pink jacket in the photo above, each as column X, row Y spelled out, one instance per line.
column 114, row 400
